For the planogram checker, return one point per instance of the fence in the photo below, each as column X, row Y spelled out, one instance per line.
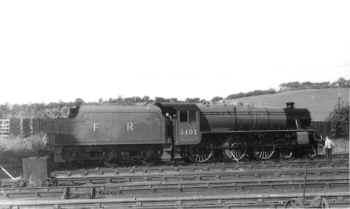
column 21, row 126
column 4, row 127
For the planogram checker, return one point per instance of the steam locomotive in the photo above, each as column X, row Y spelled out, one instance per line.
column 195, row 132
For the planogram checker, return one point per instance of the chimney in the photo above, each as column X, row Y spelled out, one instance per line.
column 290, row 105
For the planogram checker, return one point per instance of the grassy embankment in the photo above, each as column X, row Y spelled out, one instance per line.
column 320, row 102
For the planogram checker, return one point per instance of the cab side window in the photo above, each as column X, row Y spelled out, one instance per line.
column 192, row 116
column 183, row 116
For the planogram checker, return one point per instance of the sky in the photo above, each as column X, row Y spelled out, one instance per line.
column 61, row 50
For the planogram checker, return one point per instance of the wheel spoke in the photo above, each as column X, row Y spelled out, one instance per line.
column 264, row 153
column 200, row 155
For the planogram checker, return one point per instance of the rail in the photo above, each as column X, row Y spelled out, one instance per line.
column 98, row 178
column 176, row 187
column 197, row 201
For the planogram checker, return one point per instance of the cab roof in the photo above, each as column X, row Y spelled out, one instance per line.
column 177, row 106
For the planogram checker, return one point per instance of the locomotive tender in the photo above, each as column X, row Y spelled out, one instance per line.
column 196, row 132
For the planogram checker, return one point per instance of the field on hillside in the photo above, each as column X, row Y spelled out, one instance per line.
column 319, row 101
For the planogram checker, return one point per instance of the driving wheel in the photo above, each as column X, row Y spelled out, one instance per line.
column 264, row 152
column 235, row 150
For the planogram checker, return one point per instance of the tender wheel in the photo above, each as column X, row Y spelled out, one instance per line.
column 200, row 154
column 108, row 156
column 264, row 152
column 235, row 150
column 153, row 154
column 312, row 153
column 286, row 154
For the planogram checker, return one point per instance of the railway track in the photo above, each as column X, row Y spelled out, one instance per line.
column 195, row 175
column 176, row 188
column 335, row 199
column 339, row 160
column 211, row 171
column 189, row 186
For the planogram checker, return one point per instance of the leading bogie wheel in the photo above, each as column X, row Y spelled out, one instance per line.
column 286, row 154
column 312, row 152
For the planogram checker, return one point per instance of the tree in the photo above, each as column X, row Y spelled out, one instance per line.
column 174, row 100
column 339, row 119
column 146, row 99
column 79, row 101
column 342, row 82
column 160, row 99
column 216, row 99
column 193, row 100
column 4, row 110
column 132, row 100
column 251, row 93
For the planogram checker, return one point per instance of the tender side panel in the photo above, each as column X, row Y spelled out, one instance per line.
column 112, row 128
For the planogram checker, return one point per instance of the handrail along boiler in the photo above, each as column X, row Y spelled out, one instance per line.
column 196, row 132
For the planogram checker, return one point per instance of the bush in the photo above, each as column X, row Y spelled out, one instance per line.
column 12, row 147
column 339, row 119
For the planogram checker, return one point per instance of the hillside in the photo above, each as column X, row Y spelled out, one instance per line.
column 319, row 101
